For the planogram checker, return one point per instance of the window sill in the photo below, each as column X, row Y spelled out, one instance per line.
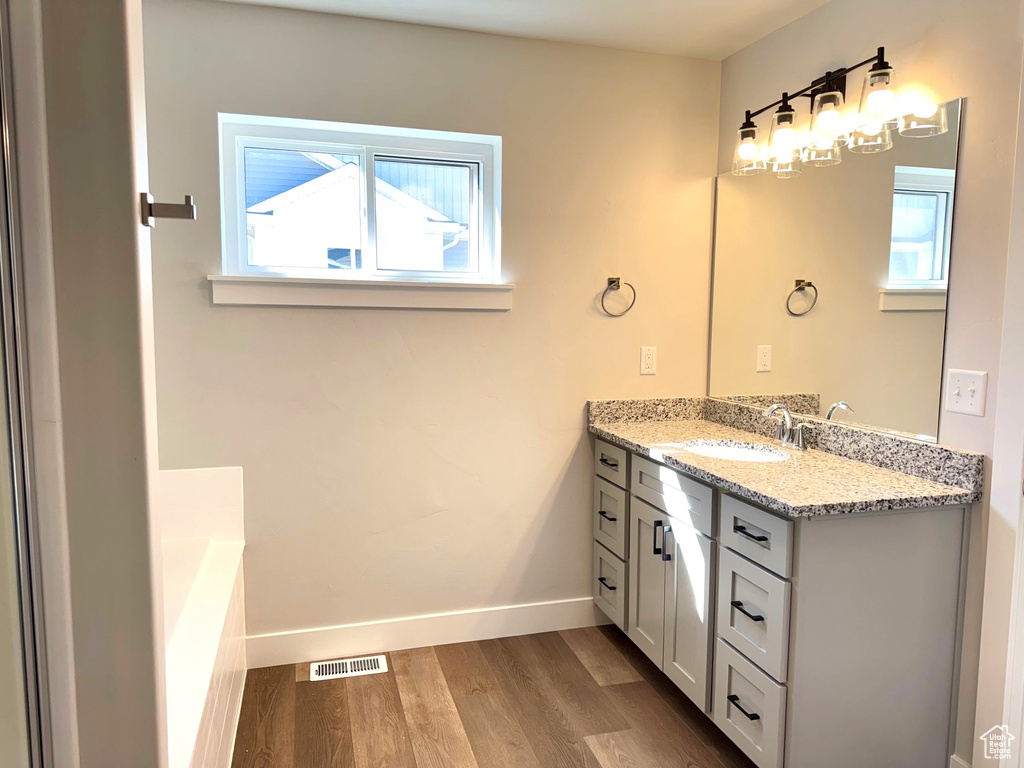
column 912, row 300
column 259, row 291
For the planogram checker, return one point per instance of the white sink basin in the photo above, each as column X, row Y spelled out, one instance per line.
column 731, row 450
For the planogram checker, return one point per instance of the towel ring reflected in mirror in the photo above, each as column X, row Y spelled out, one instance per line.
column 801, row 287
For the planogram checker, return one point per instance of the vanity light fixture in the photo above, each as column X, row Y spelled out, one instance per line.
column 869, row 131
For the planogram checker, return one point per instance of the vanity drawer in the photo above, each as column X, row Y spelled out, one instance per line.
column 671, row 492
column 611, row 516
column 753, row 612
column 610, row 588
column 611, row 463
column 750, row 707
column 757, row 535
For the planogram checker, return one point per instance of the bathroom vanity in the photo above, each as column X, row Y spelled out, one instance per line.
column 810, row 604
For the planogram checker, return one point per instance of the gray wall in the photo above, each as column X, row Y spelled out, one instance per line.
column 404, row 462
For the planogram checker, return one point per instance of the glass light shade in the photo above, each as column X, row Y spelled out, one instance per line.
column 747, row 160
column 877, row 99
column 926, row 120
column 782, row 141
column 870, row 138
column 827, row 116
column 787, row 169
column 822, row 154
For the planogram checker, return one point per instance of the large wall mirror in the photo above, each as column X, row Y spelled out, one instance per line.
column 872, row 237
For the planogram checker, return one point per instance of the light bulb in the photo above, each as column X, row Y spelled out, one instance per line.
column 784, row 140
column 747, row 149
column 925, row 111
column 872, row 128
column 828, row 119
column 880, row 101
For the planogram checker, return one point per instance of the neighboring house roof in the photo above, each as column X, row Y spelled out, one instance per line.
column 441, row 190
column 350, row 171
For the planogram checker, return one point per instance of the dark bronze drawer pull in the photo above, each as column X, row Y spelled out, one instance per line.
column 735, row 701
column 739, row 607
column 606, row 516
column 742, row 531
column 605, row 584
column 609, row 463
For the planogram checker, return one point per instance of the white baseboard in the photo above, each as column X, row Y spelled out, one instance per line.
column 418, row 631
column 957, row 762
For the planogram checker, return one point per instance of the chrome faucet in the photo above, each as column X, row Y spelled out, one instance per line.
column 784, row 431
column 842, row 404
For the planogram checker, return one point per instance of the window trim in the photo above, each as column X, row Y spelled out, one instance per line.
column 369, row 142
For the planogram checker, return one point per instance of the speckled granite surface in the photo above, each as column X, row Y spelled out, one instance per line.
column 807, row 484
column 855, row 470
column 799, row 402
column 929, row 461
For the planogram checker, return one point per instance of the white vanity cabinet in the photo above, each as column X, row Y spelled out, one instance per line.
column 812, row 641
column 671, row 594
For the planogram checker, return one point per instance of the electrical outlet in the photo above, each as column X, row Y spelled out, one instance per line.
column 966, row 391
column 648, row 361
column 764, row 358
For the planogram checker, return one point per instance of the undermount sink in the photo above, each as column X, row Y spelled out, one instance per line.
column 732, row 450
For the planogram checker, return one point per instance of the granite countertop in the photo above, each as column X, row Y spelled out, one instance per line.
column 807, row 484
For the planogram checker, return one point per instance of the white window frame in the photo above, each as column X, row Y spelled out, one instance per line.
column 368, row 142
column 921, row 180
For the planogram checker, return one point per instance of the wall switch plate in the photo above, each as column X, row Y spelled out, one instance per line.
column 764, row 358
column 966, row 391
column 648, row 361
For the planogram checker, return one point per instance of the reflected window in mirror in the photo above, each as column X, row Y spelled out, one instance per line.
column 922, row 220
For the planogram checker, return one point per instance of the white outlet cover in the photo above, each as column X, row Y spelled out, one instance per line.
column 764, row 358
column 966, row 391
column 648, row 361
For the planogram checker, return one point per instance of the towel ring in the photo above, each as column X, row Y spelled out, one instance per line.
column 801, row 286
column 614, row 284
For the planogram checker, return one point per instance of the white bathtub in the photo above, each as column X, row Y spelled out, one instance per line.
column 204, row 613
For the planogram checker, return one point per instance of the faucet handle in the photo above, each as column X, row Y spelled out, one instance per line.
column 798, row 435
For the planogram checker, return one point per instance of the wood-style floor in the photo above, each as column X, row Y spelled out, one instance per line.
column 585, row 697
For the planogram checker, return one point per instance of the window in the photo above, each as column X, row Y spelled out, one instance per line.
column 922, row 218
column 332, row 201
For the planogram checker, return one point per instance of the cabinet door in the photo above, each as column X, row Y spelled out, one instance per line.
column 647, row 580
column 690, row 590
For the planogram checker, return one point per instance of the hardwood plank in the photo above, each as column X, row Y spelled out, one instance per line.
column 494, row 732
column 550, row 730
column 704, row 730
column 633, row 749
column 380, row 738
column 579, row 695
column 266, row 727
column 435, row 729
column 323, row 730
column 466, row 669
column 601, row 658
column 661, row 726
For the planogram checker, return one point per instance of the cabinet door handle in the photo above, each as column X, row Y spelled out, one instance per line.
column 605, row 584
column 735, row 701
column 739, row 607
column 609, row 463
column 606, row 516
column 657, row 525
column 666, row 556
column 742, row 531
